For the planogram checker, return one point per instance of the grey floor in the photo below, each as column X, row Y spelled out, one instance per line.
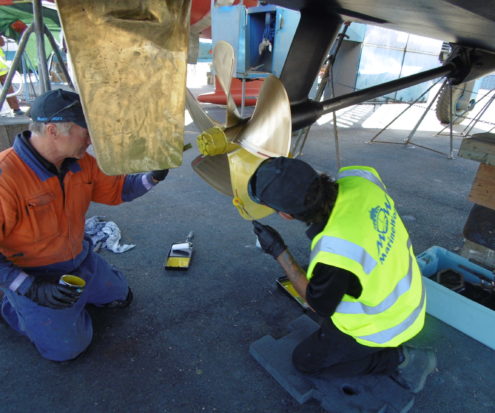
column 183, row 344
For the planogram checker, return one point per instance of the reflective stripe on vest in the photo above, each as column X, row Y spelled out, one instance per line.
column 402, row 287
column 346, row 249
column 388, row 334
column 363, row 174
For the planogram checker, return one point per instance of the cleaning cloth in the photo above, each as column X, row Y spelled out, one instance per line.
column 105, row 234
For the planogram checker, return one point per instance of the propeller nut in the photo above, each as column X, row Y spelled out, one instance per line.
column 214, row 142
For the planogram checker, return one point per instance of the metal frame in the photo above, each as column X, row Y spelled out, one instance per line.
column 316, row 32
column 40, row 30
column 373, row 139
column 408, row 140
column 450, row 155
column 302, row 134
column 467, row 130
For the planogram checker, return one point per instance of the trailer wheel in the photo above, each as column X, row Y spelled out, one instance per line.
column 462, row 103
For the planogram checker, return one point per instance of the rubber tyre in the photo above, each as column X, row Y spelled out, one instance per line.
column 461, row 103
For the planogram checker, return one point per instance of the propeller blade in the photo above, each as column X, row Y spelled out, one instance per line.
column 226, row 166
column 223, row 62
column 199, row 117
column 215, row 171
column 268, row 132
column 229, row 174
column 242, row 166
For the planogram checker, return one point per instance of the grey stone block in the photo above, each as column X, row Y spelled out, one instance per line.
column 377, row 394
column 9, row 128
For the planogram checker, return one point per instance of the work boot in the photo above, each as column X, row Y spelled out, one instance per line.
column 415, row 368
column 120, row 303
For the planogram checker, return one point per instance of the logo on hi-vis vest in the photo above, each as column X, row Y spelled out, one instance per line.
column 384, row 219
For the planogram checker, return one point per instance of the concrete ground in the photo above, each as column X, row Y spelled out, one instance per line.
column 183, row 344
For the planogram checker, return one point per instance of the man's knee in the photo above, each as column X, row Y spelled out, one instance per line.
column 62, row 353
column 297, row 361
column 106, row 282
column 64, row 349
column 304, row 360
column 65, row 338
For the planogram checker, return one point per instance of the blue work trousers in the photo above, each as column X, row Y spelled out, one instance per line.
column 61, row 335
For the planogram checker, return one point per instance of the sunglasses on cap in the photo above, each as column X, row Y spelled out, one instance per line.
column 252, row 189
column 70, row 105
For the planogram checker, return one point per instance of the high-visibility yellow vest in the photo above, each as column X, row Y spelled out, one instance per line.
column 4, row 68
column 365, row 235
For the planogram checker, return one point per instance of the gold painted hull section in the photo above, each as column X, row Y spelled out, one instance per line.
column 129, row 59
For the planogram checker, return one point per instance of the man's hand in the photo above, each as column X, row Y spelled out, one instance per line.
column 270, row 240
column 159, row 175
column 51, row 295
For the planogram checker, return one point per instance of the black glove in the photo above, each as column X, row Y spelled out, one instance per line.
column 51, row 295
column 159, row 175
column 270, row 240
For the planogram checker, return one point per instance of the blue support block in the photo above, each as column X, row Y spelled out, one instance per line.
column 460, row 312
column 378, row 394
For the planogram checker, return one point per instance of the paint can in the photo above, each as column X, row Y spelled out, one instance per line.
column 72, row 281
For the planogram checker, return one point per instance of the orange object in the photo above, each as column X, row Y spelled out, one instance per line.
column 19, row 26
column 218, row 96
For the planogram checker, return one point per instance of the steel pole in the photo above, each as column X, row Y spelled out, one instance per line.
column 303, row 133
column 40, row 42
column 416, row 126
column 379, row 90
column 404, row 111
column 306, row 113
column 59, row 55
column 15, row 63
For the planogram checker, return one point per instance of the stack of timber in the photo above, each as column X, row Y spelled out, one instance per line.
column 479, row 230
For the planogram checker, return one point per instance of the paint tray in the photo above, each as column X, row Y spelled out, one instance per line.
column 286, row 285
column 180, row 254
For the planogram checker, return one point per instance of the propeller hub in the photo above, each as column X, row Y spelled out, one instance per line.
column 213, row 141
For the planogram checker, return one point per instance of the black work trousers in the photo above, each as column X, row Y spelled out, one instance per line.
column 330, row 352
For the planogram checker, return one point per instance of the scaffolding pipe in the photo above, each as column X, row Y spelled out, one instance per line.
column 59, row 55
column 40, row 42
column 15, row 63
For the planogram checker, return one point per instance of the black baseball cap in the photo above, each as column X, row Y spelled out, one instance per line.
column 58, row 106
column 282, row 184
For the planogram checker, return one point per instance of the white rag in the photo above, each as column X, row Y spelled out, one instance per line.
column 105, row 234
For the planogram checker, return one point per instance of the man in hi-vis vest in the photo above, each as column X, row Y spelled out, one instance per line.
column 362, row 277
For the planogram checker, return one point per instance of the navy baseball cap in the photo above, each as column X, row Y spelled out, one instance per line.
column 282, row 184
column 58, row 106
